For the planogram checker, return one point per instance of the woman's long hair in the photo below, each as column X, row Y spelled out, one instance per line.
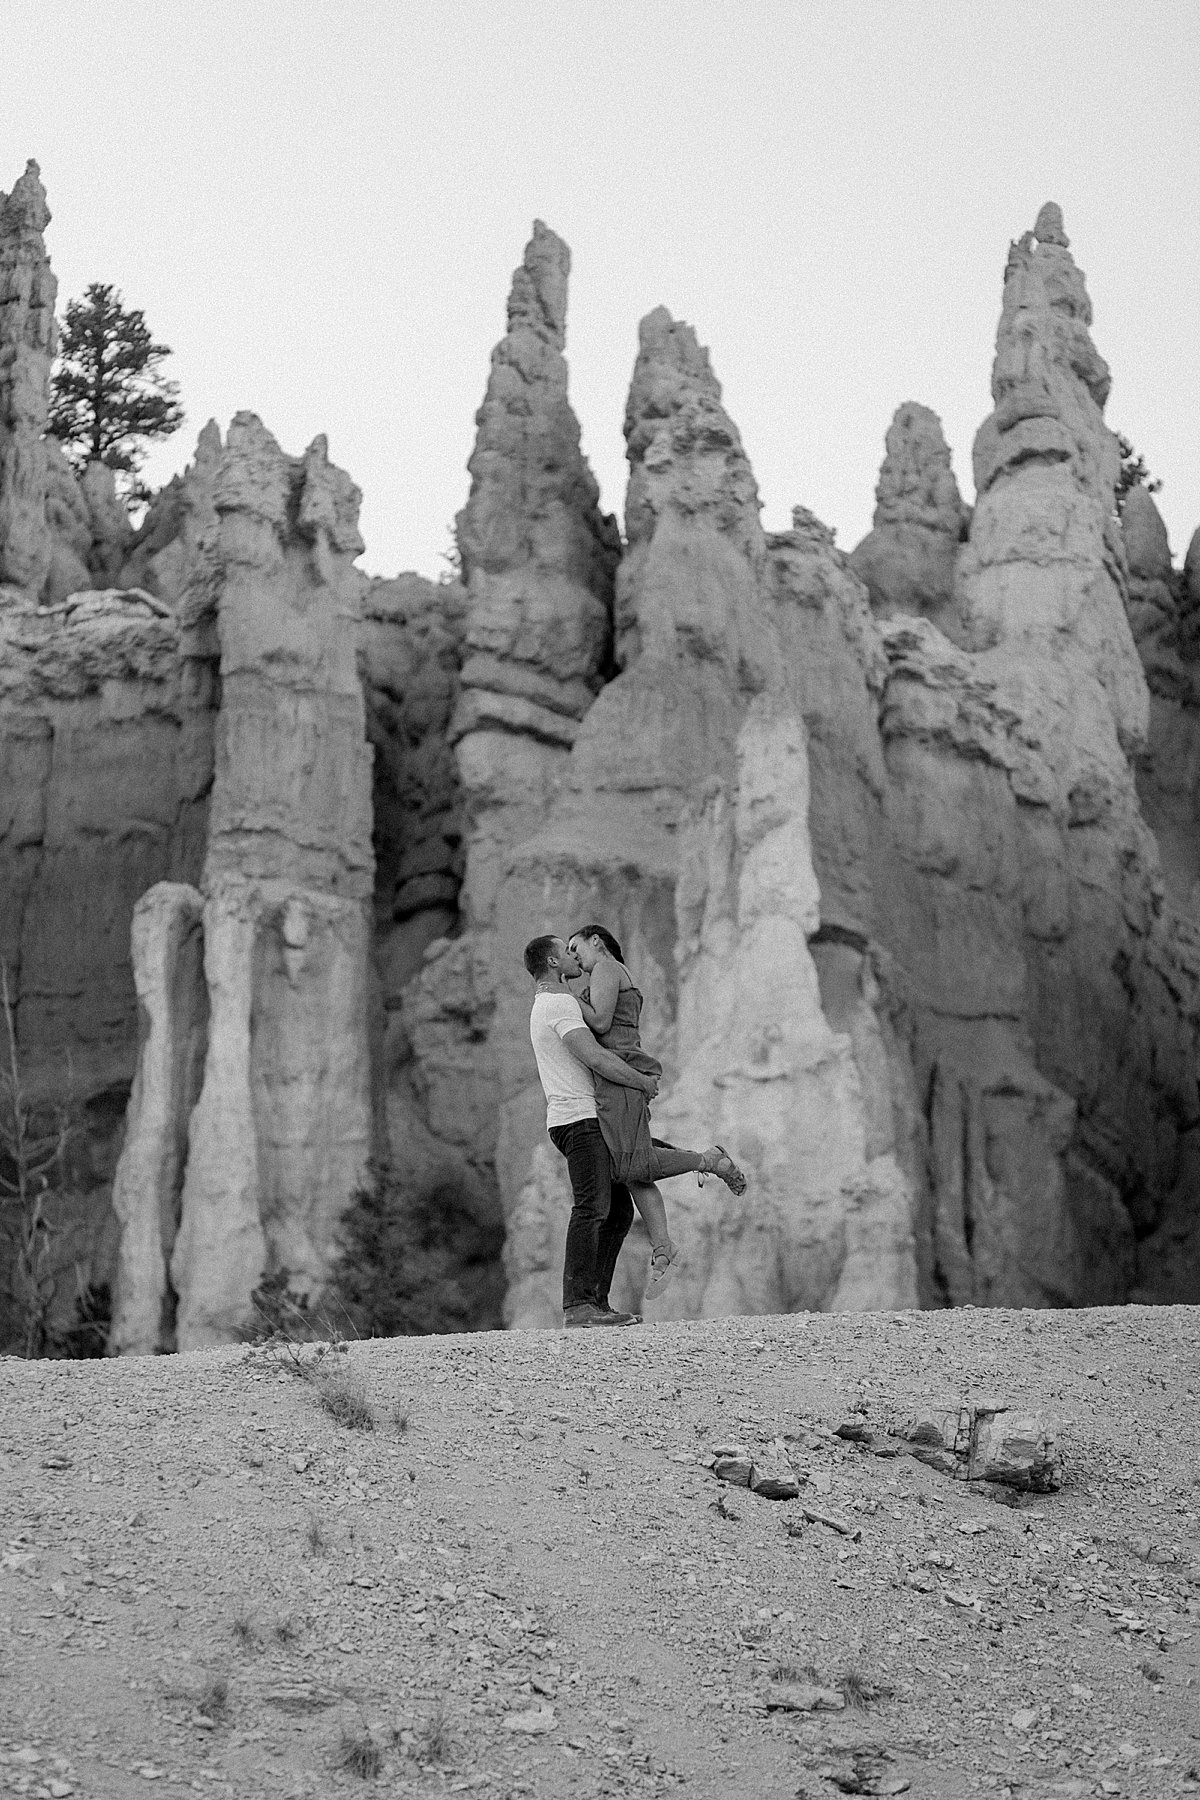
column 606, row 938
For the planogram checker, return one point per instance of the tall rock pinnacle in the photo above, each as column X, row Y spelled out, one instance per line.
column 538, row 560
column 27, row 342
column 907, row 559
column 1045, row 564
column 691, row 492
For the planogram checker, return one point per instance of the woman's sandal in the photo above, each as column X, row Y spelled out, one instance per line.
column 662, row 1270
column 725, row 1169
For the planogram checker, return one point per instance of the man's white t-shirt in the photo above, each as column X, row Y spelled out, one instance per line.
column 567, row 1083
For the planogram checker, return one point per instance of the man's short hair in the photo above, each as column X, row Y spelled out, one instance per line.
column 538, row 952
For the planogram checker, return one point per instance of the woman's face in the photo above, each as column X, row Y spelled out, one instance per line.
column 588, row 950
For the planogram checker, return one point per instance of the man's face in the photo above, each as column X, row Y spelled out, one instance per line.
column 567, row 960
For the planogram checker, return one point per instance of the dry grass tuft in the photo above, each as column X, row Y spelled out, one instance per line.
column 359, row 1754
column 796, row 1675
column 343, row 1396
column 213, row 1699
column 315, row 1540
column 243, row 1631
column 434, row 1741
column 399, row 1416
column 860, row 1690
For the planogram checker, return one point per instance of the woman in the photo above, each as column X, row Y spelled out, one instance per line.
column 612, row 1010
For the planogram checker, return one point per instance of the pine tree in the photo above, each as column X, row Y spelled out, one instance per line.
column 1133, row 470
column 108, row 395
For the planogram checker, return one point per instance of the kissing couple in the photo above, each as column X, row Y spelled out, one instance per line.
column 598, row 1083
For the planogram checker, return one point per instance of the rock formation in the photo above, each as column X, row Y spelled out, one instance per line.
column 105, row 762
column 69, row 524
column 1163, row 622
column 913, row 940
column 412, row 651
column 682, row 821
column 27, row 341
column 281, row 1130
column 908, row 558
column 538, row 559
column 1028, row 955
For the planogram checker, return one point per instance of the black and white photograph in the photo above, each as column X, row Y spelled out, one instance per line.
column 599, row 899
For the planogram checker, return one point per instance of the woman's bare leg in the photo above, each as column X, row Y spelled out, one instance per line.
column 708, row 1162
column 652, row 1207
column 677, row 1162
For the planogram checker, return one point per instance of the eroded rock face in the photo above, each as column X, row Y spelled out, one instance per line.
column 281, row 1130
column 1029, row 959
column 682, row 821
column 168, row 950
column 412, row 651
column 1164, row 623
column 69, row 524
column 27, row 342
column 105, row 763
column 908, row 558
column 538, row 560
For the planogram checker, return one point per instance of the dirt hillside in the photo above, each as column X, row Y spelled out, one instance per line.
column 524, row 1582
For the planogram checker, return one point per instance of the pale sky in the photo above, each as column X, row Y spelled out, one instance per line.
column 319, row 205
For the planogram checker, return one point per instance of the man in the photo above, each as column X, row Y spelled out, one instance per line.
column 566, row 1055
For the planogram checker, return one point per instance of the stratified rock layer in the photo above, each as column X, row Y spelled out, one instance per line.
column 908, row 558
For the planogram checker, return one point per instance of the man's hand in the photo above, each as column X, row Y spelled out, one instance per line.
column 584, row 1047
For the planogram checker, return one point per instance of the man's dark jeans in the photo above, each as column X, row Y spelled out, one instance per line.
column 600, row 1217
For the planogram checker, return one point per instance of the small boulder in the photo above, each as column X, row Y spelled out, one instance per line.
column 733, row 1463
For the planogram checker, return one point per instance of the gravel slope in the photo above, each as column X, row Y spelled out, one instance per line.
column 532, row 1587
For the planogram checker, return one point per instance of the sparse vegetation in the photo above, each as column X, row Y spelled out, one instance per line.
column 33, row 1175
column 860, row 1690
column 434, row 1741
column 286, row 1631
column 359, row 1754
column 343, row 1395
column 399, row 1416
column 308, row 1345
column 315, row 1540
column 1133, row 470
column 420, row 1261
column 243, row 1631
column 213, row 1699
column 796, row 1674
column 109, row 397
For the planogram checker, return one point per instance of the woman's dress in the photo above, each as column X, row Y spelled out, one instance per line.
column 624, row 1112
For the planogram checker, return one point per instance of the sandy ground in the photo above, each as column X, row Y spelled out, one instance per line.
column 523, row 1582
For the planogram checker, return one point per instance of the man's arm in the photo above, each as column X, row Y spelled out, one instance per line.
column 585, row 1049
